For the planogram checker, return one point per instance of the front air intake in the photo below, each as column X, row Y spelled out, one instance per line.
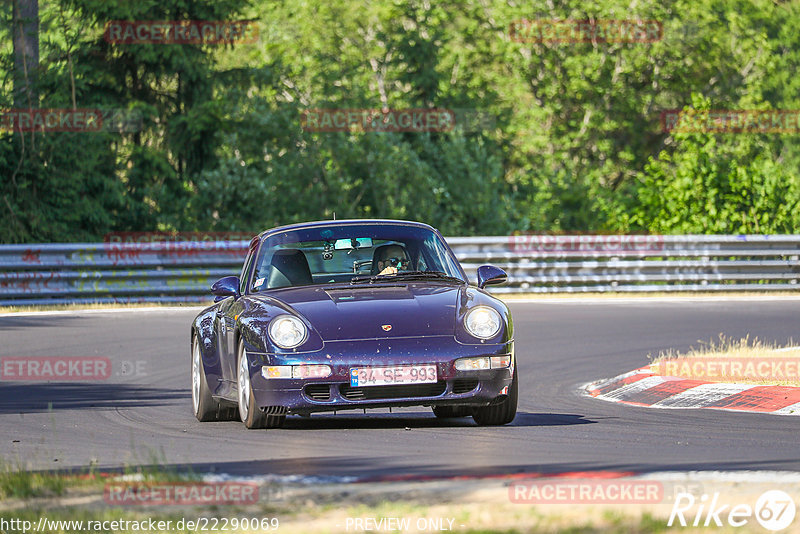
column 464, row 385
column 318, row 392
column 392, row 392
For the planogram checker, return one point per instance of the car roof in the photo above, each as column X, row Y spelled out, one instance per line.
column 344, row 222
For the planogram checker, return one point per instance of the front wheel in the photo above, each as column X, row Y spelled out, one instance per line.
column 504, row 411
column 250, row 414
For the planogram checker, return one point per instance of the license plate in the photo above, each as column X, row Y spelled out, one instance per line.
column 386, row 376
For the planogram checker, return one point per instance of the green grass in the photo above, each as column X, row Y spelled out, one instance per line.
column 19, row 484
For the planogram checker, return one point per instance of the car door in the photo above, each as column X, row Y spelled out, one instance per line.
column 228, row 312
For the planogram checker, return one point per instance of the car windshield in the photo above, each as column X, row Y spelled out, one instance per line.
column 347, row 252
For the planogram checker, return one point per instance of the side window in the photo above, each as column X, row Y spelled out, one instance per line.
column 245, row 272
column 261, row 267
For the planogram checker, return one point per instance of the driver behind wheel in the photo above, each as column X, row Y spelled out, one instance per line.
column 391, row 258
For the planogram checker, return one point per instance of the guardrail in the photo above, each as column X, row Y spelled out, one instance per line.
column 183, row 271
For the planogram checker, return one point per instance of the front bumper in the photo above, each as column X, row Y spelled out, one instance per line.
column 333, row 393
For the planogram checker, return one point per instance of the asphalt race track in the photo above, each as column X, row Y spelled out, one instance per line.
column 142, row 413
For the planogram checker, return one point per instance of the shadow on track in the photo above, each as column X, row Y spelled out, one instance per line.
column 33, row 398
column 346, row 421
column 23, row 323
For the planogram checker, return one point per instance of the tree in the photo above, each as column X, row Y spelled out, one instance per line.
column 25, row 24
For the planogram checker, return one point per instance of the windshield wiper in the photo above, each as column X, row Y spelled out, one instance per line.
column 407, row 275
column 372, row 278
column 439, row 275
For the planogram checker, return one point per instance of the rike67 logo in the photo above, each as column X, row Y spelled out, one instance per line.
column 774, row 510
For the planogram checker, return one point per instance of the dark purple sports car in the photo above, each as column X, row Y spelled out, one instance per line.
column 335, row 315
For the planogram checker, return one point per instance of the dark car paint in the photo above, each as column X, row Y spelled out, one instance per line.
column 344, row 325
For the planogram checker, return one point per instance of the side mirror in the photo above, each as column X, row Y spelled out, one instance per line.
column 489, row 275
column 226, row 287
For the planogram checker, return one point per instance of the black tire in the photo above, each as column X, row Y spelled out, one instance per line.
column 203, row 404
column 448, row 412
column 249, row 413
column 504, row 411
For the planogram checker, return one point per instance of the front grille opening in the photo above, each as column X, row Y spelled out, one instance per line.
column 392, row 392
column 318, row 392
column 464, row 385
column 275, row 410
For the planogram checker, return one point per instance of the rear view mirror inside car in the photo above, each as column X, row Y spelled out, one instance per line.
column 353, row 243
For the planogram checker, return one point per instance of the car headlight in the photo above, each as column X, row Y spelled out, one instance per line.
column 287, row 331
column 483, row 322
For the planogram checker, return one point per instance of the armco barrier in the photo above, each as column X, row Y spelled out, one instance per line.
column 167, row 271
column 183, row 271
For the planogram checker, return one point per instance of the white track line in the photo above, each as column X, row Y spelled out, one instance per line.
column 778, row 477
column 794, row 409
column 619, row 394
column 652, row 300
column 702, row 395
column 147, row 309
column 600, row 384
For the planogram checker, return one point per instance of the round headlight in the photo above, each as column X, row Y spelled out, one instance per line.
column 287, row 331
column 482, row 322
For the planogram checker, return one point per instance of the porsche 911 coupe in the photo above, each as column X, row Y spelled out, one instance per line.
column 338, row 315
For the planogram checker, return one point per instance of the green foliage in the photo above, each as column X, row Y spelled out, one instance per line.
column 573, row 141
column 712, row 185
column 17, row 483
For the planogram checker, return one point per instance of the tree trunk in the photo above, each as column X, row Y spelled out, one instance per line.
column 26, row 53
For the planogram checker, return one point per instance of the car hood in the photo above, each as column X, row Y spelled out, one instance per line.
column 375, row 311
